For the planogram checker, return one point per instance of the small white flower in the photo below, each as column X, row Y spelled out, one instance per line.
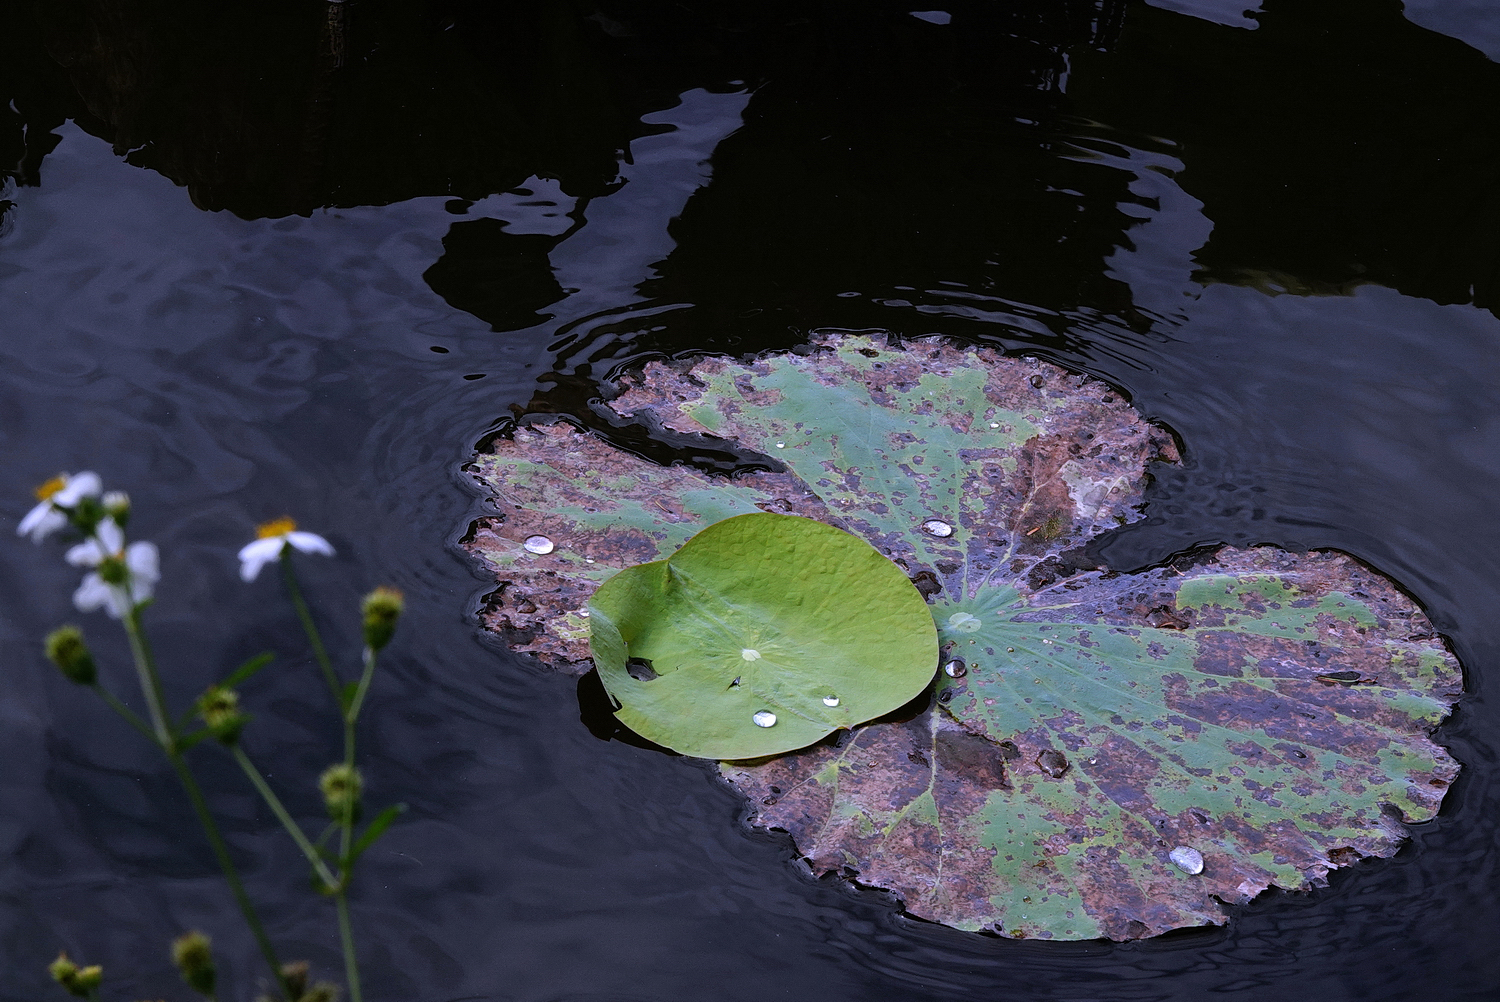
column 62, row 491
column 271, row 539
column 142, row 567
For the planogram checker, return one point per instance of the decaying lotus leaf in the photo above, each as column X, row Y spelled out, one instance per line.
column 1104, row 755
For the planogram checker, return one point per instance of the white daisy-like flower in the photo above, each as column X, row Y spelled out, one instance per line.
column 125, row 575
column 62, row 491
column 271, row 539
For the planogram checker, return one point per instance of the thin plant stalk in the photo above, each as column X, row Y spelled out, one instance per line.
column 293, row 829
column 346, row 830
column 349, row 711
column 308, row 626
column 167, row 739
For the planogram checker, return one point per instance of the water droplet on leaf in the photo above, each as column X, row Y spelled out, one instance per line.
column 750, row 654
column 538, row 544
column 781, row 445
column 1188, row 859
column 937, row 527
column 956, row 668
column 830, row 701
column 764, row 718
column 964, row 622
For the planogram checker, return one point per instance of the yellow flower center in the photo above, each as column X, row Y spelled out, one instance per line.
column 275, row 527
column 50, row 488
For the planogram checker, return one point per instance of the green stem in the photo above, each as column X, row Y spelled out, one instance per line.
column 355, row 704
column 126, row 712
column 293, row 829
column 346, row 935
column 221, row 851
column 308, row 626
column 346, row 832
column 145, row 669
column 151, row 689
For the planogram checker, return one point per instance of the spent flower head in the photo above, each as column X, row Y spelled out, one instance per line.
column 117, row 506
column 192, row 952
column 66, row 649
column 382, row 607
column 123, row 576
column 321, row 992
column 56, row 499
column 219, row 708
column 271, row 540
column 79, row 981
column 342, row 786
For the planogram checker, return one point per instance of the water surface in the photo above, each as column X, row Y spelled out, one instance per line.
column 257, row 260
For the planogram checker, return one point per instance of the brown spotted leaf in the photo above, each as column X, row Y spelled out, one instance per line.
column 1268, row 712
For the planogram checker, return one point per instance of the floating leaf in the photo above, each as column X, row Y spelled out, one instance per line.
column 1095, row 736
column 763, row 634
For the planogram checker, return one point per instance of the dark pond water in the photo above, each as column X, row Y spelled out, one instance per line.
column 266, row 258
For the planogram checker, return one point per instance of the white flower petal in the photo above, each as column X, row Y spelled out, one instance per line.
column 254, row 556
column 86, row 554
column 140, row 590
column 78, row 486
column 110, row 535
column 310, row 542
column 262, row 549
column 144, row 563
column 41, row 522
column 91, row 594
column 119, row 604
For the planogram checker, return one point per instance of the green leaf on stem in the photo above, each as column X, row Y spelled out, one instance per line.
column 374, row 830
column 247, row 669
column 187, row 741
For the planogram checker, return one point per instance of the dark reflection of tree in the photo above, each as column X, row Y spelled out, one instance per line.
column 274, row 107
column 1336, row 144
column 887, row 158
column 502, row 278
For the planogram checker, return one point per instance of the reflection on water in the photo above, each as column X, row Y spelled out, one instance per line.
column 1273, row 238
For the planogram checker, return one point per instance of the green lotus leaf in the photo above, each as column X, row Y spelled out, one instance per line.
column 763, row 634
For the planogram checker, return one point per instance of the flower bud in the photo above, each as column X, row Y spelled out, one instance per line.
column 79, row 981
column 192, row 954
column 66, row 649
column 88, row 979
column 294, row 976
column 382, row 607
column 341, row 785
column 117, row 506
column 219, row 709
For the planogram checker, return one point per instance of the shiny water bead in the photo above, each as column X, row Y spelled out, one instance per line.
column 1188, row 859
column 538, row 545
column 830, row 701
column 964, row 622
column 750, row 654
column 937, row 527
column 764, row 718
column 781, row 445
column 956, row 668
